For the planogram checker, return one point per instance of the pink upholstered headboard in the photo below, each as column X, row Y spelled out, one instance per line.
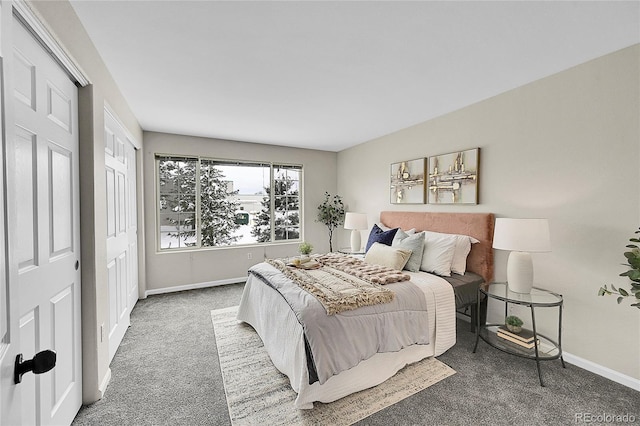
column 477, row 225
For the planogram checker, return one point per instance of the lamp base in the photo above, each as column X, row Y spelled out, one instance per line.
column 520, row 272
column 355, row 241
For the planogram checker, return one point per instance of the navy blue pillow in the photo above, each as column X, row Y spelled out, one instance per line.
column 377, row 235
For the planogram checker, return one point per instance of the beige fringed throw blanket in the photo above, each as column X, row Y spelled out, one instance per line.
column 376, row 274
column 343, row 283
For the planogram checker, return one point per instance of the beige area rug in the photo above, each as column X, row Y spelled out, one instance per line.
column 257, row 393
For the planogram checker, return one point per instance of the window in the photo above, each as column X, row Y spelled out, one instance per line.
column 206, row 202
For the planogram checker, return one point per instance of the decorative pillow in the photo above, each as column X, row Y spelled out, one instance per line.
column 415, row 243
column 463, row 247
column 402, row 234
column 438, row 253
column 386, row 228
column 377, row 235
column 380, row 254
column 383, row 226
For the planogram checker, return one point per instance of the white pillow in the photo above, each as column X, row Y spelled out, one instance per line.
column 462, row 249
column 381, row 254
column 438, row 253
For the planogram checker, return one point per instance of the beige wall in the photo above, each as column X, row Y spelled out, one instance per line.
column 566, row 148
column 172, row 269
column 62, row 21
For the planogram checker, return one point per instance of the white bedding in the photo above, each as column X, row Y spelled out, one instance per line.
column 276, row 324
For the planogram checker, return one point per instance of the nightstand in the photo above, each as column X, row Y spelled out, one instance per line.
column 347, row 250
column 544, row 348
column 356, row 254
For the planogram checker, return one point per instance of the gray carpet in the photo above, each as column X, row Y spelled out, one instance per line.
column 166, row 372
column 257, row 393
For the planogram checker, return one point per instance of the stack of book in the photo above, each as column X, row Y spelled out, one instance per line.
column 522, row 341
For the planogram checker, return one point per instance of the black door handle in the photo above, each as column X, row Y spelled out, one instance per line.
column 41, row 363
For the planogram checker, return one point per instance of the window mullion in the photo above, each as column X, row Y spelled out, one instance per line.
column 198, row 204
column 158, row 205
column 300, row 207
column 272, row 202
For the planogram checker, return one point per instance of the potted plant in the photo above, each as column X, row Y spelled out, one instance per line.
column 633, row 262
column 513, row 323
column 331, row 213
column 305, row 249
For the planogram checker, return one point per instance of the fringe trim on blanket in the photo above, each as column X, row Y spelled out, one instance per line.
column 336, row 286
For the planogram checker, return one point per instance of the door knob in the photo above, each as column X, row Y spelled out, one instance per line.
column 41, row 363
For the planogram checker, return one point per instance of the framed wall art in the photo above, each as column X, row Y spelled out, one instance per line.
column 453, row 178
column 407, row 184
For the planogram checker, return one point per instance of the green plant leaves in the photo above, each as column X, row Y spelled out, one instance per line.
column 633, row 257
column 331, row 213
column 634, row 274
column 305, row 248
column 513, row 320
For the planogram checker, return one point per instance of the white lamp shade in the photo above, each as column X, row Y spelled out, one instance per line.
column 530, row 235
column 355, row 221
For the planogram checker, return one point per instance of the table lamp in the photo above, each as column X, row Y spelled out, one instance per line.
column 521, row 237
column 355, row 222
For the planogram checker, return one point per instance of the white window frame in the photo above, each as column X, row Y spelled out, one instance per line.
column 158, row 157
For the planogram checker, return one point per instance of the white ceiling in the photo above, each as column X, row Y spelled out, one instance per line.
column 329, row 75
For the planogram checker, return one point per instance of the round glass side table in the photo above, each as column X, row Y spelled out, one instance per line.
column 542, row 348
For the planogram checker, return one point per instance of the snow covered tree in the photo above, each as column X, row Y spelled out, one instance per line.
column 287, row 212
column 178, row 203
column 262, row 227
column 218, row 210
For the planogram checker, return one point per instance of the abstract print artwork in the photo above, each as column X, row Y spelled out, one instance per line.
column 407, row 182
column 453, row 178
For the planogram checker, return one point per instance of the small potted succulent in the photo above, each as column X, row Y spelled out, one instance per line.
column 513, row 323
column 305, row 249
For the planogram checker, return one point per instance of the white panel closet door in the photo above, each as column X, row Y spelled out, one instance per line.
column 122, row 229
column 44, row 227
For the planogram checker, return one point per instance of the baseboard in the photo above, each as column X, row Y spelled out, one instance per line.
column 600, row 370
column 105, row 382
column 194, row 286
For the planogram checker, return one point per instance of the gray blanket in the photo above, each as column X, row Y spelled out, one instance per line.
column 339, row 342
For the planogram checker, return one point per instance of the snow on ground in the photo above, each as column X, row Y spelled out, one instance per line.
column 243, row 233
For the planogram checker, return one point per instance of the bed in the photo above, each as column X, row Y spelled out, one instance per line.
column 270, row 314
column 479, row 261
